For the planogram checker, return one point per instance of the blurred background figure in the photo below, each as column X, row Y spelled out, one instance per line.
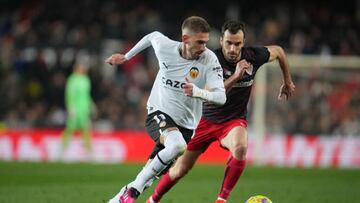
column 78, row 105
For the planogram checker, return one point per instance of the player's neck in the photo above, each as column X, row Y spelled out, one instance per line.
column 183, row 52
column 80, row 72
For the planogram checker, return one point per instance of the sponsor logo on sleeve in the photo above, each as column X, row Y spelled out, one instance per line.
column 219, row 72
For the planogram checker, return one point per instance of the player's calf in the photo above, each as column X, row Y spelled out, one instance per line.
column 179, row 171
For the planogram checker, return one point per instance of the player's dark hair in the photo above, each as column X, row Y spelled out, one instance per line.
column 196, row 24
column 233, row 27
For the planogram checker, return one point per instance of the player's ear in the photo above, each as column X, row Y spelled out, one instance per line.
column 185, row 38
column 221, row 41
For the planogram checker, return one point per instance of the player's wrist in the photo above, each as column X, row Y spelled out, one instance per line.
column 201, row 93
column 237, row 75
column 126, row 57
column 287, row 82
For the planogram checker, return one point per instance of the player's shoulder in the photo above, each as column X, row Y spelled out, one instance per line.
column 157, row 34
column 254, row 49
column 219, row 54
column 160, row 35
column 71, row 77
column 162, row 40
column 209, row 57
column 251, row 52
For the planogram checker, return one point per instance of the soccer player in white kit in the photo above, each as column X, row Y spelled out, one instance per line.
column 175, row 102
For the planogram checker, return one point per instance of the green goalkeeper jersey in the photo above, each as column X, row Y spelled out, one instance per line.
column 77, row 94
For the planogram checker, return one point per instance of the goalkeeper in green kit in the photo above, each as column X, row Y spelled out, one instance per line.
column 79, row 105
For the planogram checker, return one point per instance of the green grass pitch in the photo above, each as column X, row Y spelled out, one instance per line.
column 96, row 183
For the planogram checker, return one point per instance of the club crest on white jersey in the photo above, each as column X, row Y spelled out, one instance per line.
column 167, row 92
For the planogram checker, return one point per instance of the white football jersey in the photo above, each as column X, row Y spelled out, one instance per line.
column 167, row 94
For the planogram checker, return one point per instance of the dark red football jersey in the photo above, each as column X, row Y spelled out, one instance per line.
column 238, row 96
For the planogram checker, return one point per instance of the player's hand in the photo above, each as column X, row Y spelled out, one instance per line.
column 188, row 88
column 241, row 67
column 116, row 59
column 286, row 90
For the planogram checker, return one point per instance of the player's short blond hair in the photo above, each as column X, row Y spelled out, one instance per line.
column 196, row 24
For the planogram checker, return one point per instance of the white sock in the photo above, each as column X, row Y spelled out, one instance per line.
column 131, row 184
column 174, row 146
column 151, row 200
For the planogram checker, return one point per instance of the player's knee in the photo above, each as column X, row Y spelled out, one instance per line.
column 70, row 130
column 178, row 148
column 175, row 142
column 181, row 148
column 239, row 151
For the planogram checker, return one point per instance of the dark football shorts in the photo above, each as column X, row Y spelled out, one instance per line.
column 156, row 123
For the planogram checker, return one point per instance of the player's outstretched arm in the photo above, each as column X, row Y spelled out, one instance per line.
column 216, row 96
column 145, row 42
column 288, row 87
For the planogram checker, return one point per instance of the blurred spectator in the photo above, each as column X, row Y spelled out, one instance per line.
column 326, row 103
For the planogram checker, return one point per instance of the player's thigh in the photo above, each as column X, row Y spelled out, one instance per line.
column 184, row 163
column 154, row 126
column 84, row 122
column 157, row 122
column 235, row 138
column 71, row 123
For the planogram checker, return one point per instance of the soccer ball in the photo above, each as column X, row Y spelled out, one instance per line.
column 258, row 199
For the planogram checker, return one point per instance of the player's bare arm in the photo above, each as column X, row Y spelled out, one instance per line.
column 288, row 87
column 241, row 67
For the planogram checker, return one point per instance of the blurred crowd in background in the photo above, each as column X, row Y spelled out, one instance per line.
column 40, row 40
column 326, row 102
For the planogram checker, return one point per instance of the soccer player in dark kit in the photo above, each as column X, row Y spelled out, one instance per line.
column 227, row 123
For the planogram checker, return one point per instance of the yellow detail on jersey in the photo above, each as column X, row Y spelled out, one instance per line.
column 194, row 72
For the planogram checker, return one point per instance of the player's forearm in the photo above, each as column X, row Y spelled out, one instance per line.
column 228, row 83
column 144, row 43
column 216, row 96
column 284, row 65
column 278, row 53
